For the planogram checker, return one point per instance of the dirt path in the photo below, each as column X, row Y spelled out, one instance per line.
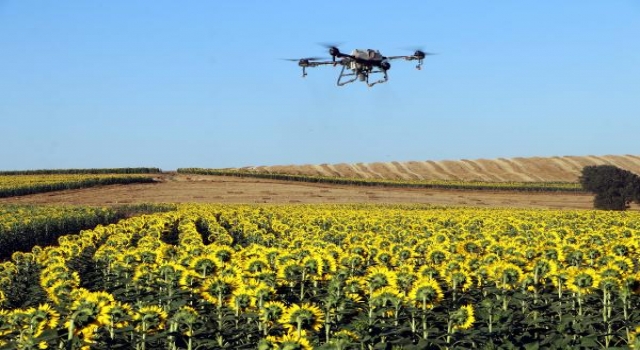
column 179, row 188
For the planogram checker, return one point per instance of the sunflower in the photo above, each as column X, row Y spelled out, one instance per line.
column 256, row 265
column 215, row 290
column 242, row 299
column 405, row 279
column 387, row 297
column 438, row 255
column 353, row 262
column 47, row 316
column 313, row 266
column 428, row 271
column 204, row 265
column 60, row 291
column 507, row 275
column 624, row 263
column 378, row 277
column 150, row 319
column 611, row 270
column 116, row 315
column 271, row 312
column 384, row 258
column 583, row 281
column 223, row 254
column 462, row 318
column 190, row 280
column 426, row 293
column 302, row 317
column 185, row 318
column 461, row 278
column 346, row 335
column 290, row 272
column 260, row 290
column 543, row 269
column 293, row 341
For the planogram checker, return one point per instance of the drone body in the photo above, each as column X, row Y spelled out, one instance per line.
column 360, row 65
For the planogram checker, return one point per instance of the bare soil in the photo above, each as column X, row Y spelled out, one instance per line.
column 182, row 188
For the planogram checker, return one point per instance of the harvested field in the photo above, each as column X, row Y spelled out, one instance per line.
column 534, row 169
column 182, row 188
column 176, row 188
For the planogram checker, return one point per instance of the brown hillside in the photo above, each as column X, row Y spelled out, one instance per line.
column 534, row 169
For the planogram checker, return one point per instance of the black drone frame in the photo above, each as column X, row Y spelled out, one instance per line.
column 359, row 68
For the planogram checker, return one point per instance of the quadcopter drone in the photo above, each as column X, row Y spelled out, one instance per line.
column 359, row 65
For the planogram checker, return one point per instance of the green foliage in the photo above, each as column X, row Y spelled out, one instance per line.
column 614, row 188
column 22, row 189
column 83, row 171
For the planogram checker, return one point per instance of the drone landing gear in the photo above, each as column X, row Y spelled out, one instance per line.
column 343, row 75
column 362, row 76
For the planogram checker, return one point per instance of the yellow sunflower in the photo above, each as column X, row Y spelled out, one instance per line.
column 426, row 293
column 302, row 317
column 216, row 290
column 583, row 281
column 462, row 318
column 204, row 265
column 271, row 312
column 149, row 319
column 378, row 277
column 293, row 341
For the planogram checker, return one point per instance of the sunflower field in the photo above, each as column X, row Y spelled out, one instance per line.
column 331, row 277
column 24, row 183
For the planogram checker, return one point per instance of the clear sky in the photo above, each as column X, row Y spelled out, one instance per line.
column 169, row 84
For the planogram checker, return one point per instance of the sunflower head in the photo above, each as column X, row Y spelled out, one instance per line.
column 378, row 277
column 462, row 318
column 302, row 317
column 292, row 340
column 150, row 318
column 116, row 315
column 272, row 311
column 583, row 281
column 426, row 293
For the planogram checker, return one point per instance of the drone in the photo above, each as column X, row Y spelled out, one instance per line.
column 360, row 65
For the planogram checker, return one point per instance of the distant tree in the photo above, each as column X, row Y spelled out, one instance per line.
column 614, row 188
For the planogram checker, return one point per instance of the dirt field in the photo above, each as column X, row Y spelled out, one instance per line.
column 178, row 188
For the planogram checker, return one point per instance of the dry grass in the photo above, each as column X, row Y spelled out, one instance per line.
column 534, row 169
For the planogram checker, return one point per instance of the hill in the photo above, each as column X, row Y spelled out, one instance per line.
column 533, row 169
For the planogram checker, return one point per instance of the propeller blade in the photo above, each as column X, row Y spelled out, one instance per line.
column 304, row 59
column 330, row 45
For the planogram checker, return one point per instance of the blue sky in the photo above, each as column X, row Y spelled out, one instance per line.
column 93, row 84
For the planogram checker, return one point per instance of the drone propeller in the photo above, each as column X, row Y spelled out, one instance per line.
column 303, row 59
column 418, row 52
column 333, row 49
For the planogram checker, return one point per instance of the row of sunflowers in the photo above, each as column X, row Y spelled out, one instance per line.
column 19, row 185
column 331, row 277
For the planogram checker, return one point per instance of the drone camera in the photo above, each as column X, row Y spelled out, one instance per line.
column 385, row 65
